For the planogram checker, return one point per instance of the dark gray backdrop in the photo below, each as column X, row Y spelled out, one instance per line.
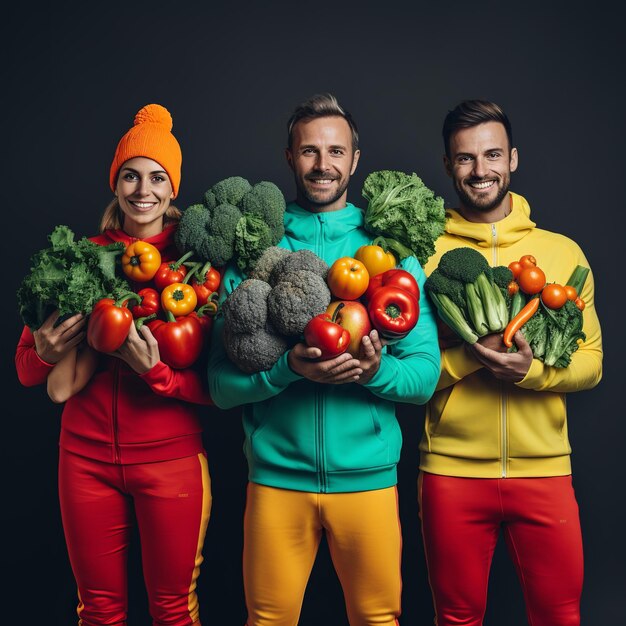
column 76, row 74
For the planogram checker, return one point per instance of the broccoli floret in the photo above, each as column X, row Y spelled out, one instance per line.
column 266, row 200
column 448, row 296
column 210, row 201
column 252, row 237
column 487, row 307
column 299, row 260
column 231, row 190
column 192, row 230
column 264, row 266
column 255, row 351
column 217, row 245
column 245, row 309
column 502, row 277
column 295, row 300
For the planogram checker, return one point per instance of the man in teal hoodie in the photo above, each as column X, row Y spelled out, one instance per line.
column 322, row 439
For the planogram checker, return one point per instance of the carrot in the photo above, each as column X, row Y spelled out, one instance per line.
column 526, row 312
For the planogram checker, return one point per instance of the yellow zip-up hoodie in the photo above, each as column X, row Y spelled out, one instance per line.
column 479, row 426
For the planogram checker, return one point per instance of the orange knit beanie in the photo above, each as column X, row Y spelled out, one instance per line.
column 150, row 137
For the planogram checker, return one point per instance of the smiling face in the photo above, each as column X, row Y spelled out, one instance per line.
column 144, row 192
column 322, row 160
column 480, row 165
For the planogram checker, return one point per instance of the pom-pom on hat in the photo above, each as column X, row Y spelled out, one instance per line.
column 150, row 137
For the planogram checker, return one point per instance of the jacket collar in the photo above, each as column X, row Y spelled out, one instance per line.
column 304, row 226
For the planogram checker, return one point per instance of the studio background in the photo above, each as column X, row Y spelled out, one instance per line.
column 75, row 75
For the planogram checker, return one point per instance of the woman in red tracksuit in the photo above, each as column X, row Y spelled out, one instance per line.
column 130, row 444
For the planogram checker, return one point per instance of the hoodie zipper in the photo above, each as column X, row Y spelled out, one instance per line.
column 503, row 416
column 319, row 406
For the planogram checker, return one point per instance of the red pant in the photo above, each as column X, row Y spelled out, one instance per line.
column 461, row 521
column 171, row 501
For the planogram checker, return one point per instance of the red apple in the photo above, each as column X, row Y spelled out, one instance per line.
column 354, row 318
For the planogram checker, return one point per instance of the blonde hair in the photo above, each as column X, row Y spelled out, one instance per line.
column 113, row 218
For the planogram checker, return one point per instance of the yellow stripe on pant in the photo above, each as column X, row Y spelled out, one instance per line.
column 282, row 532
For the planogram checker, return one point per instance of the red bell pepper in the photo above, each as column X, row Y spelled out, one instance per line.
column 150, row 303
column 393, row 278
column 180, row 339
column 109, row 323
column 205, row 282
column 171, row 272
column 206, row 314
column 393, row 312
column 324, row 333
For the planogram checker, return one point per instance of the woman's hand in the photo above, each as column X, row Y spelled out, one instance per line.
column 141, row 352
column 53, row 343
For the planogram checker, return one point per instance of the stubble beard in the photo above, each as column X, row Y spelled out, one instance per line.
column 486, row 205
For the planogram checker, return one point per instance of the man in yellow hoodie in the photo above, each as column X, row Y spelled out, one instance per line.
column 495, row 453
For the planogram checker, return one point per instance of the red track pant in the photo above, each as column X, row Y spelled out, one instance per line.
column 171, row 502
column 461, row 521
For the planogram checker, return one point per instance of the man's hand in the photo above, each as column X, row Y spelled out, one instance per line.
column 303, row 360
column 508, row 366
column 53, row 343
column 141, row 353
column 369, row 356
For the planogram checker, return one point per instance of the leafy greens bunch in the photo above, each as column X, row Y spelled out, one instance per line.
column 405, row 212
column 70, row 276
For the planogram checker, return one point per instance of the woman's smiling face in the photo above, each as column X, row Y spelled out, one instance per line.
column 144, row 192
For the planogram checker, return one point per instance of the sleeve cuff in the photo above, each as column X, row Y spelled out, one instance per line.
column 533, row 375
column 156, row 374
column 281, row 375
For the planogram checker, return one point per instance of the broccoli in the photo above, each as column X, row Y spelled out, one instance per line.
column 231, row 190
column 266, row 200
column 246, row 307
column 296, row 299
column 448, row 296
column 405, row 212
column 298, row 260
column 256, row 351
column 266, row 262
column 262, row 319
column 487, row 308
column 235, row 220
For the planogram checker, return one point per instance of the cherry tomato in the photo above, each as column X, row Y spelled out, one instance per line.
column 528, row 260
column 554, row 296
column 531, row 280
column 512, row 288
column 516, row 268
column 580, row 303
column 571, row 292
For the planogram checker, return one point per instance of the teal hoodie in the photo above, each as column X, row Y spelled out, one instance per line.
column 322, row 438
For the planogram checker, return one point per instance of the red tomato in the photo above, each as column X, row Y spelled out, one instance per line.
column 580, row 303
column 571, row 292
column 516, row 268
column 347, row 278
column 528, row 260
column 531, row 280
column 512, row 288
column 554, row 296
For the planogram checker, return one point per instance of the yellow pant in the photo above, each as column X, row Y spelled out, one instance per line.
column 282, row 532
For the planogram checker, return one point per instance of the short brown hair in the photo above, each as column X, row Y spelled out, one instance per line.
column 472, row 113
column 321, row 105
